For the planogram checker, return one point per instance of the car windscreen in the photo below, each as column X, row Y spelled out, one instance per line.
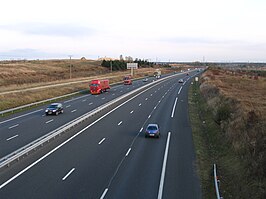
column 152, row 128
column 52, row 106
column 94, row 84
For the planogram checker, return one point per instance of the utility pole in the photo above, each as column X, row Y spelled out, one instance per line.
column 70, row 72
column 111, row 66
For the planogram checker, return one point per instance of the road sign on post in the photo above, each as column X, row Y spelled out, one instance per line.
column 132, row 66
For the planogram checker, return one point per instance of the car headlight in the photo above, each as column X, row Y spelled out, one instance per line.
column 54, row 110
column 46, row 110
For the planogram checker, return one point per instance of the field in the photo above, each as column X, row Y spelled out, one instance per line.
column 23, row 82
column 233, row 135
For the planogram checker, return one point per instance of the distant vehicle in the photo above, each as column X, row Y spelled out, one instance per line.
column 152, row 130
column 127, row 80
column 145, row 79
column 54, row 109
column 157, row 74
column 99, row 86
column 181, row 81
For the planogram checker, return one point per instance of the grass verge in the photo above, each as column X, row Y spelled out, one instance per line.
column 211, row 147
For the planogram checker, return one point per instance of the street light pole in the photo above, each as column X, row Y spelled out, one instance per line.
column 70, row 72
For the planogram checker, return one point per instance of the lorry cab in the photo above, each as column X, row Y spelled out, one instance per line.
column 99, row 86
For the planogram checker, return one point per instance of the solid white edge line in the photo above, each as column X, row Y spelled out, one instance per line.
column 160, row 193
column 104, row 193
column 11, row 137
column 68, row 174
column 11, row 127
column 20, row 116
column 173, row 111
column 101, row 141
column 128, row 151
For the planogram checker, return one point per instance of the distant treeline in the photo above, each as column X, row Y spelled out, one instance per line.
column 122, row 65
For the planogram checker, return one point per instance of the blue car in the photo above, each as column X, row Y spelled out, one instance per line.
column 152, row 130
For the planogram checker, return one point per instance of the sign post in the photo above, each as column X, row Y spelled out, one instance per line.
column 132, row 66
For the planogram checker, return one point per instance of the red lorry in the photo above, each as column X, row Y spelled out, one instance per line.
column 98, row 86
column 127, row 80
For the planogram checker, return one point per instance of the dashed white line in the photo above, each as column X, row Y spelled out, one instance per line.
column 140, row 104
column 128, row 151
column 151, row 94
column 73, row 110
column 154, row 107
column 104, row 193
column 90, row 103
column 68, row 174
column 11, row 137
column 141, row 129
column 68, row 106
column 84, row 100
column 146, row 99
column 149, row 116
column 11, row 127
column 180, row 90
column 103, row 98
column 49, row 121
column 131, row 112
column 113, row 94
column 160, row 193
column 101, row 141
column 173, row 111
column 119, row 123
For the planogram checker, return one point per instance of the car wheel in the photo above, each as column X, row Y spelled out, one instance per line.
column 62, row 111
column 56, row 113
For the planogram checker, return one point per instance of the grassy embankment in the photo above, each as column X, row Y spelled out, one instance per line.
column 18, row 75
column 228, row 115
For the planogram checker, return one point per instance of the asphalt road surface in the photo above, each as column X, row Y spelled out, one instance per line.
column 109, row 157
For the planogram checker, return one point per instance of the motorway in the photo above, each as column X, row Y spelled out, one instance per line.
column 107, row 156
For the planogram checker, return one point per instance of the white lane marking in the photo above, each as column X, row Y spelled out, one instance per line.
column 113, row 94
column 127, row 88
column 184, row 83
column 154, row 107
column 131, row 112
column 141, row 129
column 104, row 193
column 103, row 98
column 151, row 94
column 74, row 99
column 120, row 123
column 68, row 106
column 20, row 116
column 11, row 127
column 159, row 101
column 149, row 116
column 90, row 103
column 96, row 95
column 43, row 115
column 173, row 110
column 180, row 90
column 128, row 151
column 73, row 110
column 101, row 141
column 140, row 104
column 121, row 91
column 11, row 137
column 114, row 89
column 84, row 100
column 160, row 193
column 68, row 174
column 49, row 121
column 68, row 140
column 146, row 99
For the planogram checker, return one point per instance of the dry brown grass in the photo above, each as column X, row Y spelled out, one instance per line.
column 21, row 75
column 239, row 106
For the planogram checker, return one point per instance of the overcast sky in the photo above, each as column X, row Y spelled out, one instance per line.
column 163, row 30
